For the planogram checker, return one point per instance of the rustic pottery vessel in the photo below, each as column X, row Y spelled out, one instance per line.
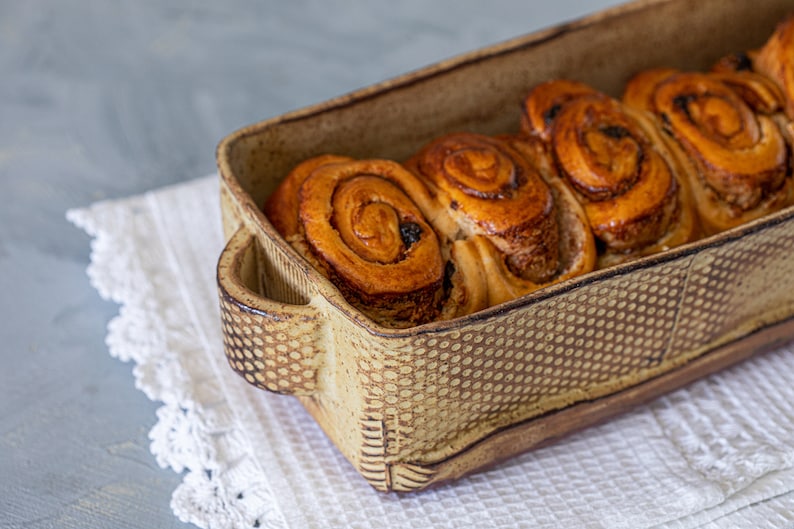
column 414, row 407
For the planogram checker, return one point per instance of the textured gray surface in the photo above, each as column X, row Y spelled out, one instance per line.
column 107, row 99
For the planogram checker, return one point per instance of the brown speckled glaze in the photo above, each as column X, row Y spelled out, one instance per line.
column 410, row 408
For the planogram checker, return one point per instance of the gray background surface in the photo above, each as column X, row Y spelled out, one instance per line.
column 102, row 99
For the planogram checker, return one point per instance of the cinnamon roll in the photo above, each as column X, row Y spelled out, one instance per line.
column 736, row 153
column 363, row 224
column 774, row 61
column 501, row 200
column 630, row 185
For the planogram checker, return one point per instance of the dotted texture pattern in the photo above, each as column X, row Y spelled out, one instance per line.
column 278, row 355
column 446, row 389
column 734, row 288
column 417, row 398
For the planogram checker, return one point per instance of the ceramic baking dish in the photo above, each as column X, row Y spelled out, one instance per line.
column 410, row 408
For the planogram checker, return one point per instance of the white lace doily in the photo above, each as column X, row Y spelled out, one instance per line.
column 719, row 453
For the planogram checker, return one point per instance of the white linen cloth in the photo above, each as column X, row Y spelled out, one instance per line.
column 719, row 453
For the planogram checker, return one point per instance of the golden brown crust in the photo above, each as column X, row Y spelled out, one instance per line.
column 740, row 156
column 759, row 92
column 685, row 226
column 347, row 217
column 774, row 60
column 360, row 222
column 577, row 251
column 629, row 186
column 639, row 89
column 517, row 226
column 491, row 189
column 545, row 100
column 281, row 208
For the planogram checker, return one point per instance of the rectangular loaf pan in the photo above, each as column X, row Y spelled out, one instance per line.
column 410, row 408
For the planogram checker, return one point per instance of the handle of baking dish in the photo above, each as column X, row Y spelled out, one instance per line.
column 272, row 344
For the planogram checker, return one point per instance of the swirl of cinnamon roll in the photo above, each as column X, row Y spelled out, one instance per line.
column 735, row 70
column 503, row 190
column 361, row 222
column 544, row 102
column 738, row 155
column 622, row 173
column 758, row 91
column 281, row 207
column 640, row 89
